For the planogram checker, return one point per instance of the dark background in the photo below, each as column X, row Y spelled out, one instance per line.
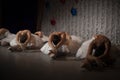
column 19, row 14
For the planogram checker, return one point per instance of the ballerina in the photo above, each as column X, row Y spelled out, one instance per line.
column 55, row 44
column 58, row 43
column 97, row 50
column 25, row 40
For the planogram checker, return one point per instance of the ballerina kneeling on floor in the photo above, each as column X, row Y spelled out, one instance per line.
column 5, row 37
column 60, row 43
column 25, row 40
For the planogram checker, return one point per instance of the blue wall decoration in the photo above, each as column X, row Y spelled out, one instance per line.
column 73, row 11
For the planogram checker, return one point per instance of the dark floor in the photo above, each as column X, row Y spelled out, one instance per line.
column 33, row 65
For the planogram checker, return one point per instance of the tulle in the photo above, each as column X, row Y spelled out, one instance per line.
column 82, row 51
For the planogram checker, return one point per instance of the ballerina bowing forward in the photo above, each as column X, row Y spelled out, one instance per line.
column 60, row 42
column 56, row 44
column 25, row 40
column 97, row 51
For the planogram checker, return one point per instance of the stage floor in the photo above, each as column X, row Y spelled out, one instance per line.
column 34, row 65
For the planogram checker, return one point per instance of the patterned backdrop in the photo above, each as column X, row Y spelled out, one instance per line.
column 91, row 17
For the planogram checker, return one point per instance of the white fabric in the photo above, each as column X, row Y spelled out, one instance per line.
column 74, row 44
column 46, row 49
column 44, row 38
column 13, row 42
column 82, row 51
column 2, row 36
column 77, row 39
column 38, row 42
column 8, row 38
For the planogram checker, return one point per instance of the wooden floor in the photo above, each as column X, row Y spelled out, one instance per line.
column 34, row 65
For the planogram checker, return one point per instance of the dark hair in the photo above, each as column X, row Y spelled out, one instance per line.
column 23, row 38
column 56, row 39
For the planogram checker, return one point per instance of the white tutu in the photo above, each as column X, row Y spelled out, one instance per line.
column 82, row 51
column 77, row 39
column 38, row 42
column 8, row 38
column 13, row 42
column 74, row 44
column 46, row 49
column 44, row 38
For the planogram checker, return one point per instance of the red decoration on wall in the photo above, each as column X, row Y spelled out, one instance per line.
column 53, row 21
column 62, row 1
